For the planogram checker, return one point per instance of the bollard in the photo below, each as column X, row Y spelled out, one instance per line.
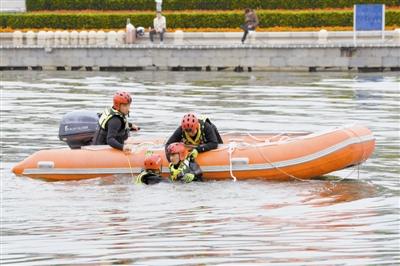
column 18, row 38
column 101, row 38
column 65, row 37
column 30, row 38
column 83, row 37
column 74, row 37
column 396, row 36
column 41, row 38
column 57, row 37
column 49, row 39
column 130, row 36
column 121, row 37
column 92, row 37
column 178, row 37
column 112, row 38
column 323, row 36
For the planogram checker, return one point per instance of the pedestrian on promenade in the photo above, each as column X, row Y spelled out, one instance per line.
column 159, row 26
column 250, row 22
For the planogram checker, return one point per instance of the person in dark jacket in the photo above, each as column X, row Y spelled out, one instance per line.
column 250, row 22
column 199, row 134
column 113, row 123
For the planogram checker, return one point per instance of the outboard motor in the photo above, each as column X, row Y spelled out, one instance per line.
column 77, row 128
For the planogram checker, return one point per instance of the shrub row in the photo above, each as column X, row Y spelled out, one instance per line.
column 33, row 5
column 231, row 19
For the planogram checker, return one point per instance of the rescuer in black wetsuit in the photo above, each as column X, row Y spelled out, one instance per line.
column 200, row 134
column 113, row 123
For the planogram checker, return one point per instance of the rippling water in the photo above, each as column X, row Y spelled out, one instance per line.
column 104, row 221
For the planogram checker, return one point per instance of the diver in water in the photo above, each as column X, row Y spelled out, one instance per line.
column 151, row 173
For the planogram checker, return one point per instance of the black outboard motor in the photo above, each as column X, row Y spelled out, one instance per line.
column 77, row 128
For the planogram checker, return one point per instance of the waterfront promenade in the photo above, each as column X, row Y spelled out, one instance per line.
column 201, row 51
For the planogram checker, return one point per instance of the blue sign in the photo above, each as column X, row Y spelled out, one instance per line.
column 369, row 17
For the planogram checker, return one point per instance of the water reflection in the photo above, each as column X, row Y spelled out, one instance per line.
column 340, row 191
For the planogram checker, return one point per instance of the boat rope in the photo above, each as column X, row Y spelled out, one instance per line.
column 363, row 157
column 286, row 138
column 261, row 140
column 267, row 140
column 233, row 145
column 231, row 149
column 278, row 168
column 340, row 179
column 130, row 166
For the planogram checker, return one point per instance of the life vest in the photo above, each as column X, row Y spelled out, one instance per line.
column 176, row 173
column 100, row 137
column 186, row 166
column 108, row 114
column 147, row 177
column 200, row 137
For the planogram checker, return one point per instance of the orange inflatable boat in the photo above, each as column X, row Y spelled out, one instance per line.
column 283, row 156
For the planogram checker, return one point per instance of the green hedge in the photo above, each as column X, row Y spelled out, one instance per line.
column 185, row 19
column 33, row 5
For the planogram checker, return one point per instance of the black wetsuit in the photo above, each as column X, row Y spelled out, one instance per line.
column 115, row 133
column 208, row 141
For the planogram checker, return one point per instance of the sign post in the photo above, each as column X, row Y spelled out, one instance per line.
column 368, row 17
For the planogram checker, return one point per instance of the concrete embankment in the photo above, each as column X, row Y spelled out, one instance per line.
column 310, row 51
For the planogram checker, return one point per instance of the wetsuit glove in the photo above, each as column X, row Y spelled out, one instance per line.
column 193, row 154
column 187, row 178
column 174, row 176
column 200, row 148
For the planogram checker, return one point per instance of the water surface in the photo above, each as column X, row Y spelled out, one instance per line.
column 112, row 221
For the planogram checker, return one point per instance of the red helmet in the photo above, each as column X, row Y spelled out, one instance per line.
column 190, row 123
column 121, row 97
column 153, row 162
column 177, row 147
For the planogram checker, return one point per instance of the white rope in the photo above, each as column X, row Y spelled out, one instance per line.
column 130, row 166
column 278, row 168
column 233, row 145
column 282, row 139
column 231, row 149
column 267, row 140
column 363, row 158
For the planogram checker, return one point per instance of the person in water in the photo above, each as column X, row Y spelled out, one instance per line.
column 183, row 166
column 151, row 173
column 198, row 134
column 113, row 123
